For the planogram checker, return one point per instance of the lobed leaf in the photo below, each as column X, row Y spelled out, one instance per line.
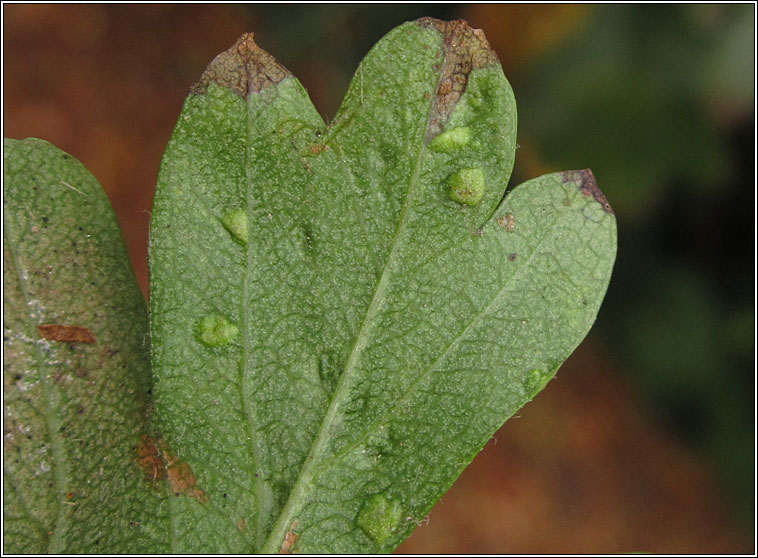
column 76, row 375
column 342, row 315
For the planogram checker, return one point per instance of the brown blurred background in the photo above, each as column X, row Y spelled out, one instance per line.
column 645, row 441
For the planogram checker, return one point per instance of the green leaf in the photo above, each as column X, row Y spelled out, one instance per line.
column 75, row 367
column 381, row 311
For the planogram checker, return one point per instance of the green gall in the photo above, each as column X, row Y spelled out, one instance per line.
column 379, row 517
column 534, row 381
column 451, row 140
column 236, row 223
column 215, row 331
column 467, row 186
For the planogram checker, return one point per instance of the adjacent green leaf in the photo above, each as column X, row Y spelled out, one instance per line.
column 75, row 367
column 342, row 315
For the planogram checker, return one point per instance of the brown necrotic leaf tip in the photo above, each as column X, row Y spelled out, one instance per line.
column 465, row 49
column 588, row 186
column 65, row 333
column 244, row 68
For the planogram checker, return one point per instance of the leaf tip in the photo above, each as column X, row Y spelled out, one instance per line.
column 244, row 68
column 588, row 186
column 465, row 49
column 461, row 36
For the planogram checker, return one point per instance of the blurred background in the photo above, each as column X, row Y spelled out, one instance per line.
column 645, row 441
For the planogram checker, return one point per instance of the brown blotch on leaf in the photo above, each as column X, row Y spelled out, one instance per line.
column 241, row 524
column 149, row 458
column 507, row 222
column 158, row 463
column 66, row 333
column 182, row 480
column 588, row 186
column 244, row 68
column 318, row 148
column 465, row 49
column 288, row 543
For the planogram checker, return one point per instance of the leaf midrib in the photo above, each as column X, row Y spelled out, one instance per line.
column 257, row 479
column 284, row 520
column 471, row 323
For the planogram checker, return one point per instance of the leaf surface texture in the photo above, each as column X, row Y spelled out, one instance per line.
column 76, row 373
